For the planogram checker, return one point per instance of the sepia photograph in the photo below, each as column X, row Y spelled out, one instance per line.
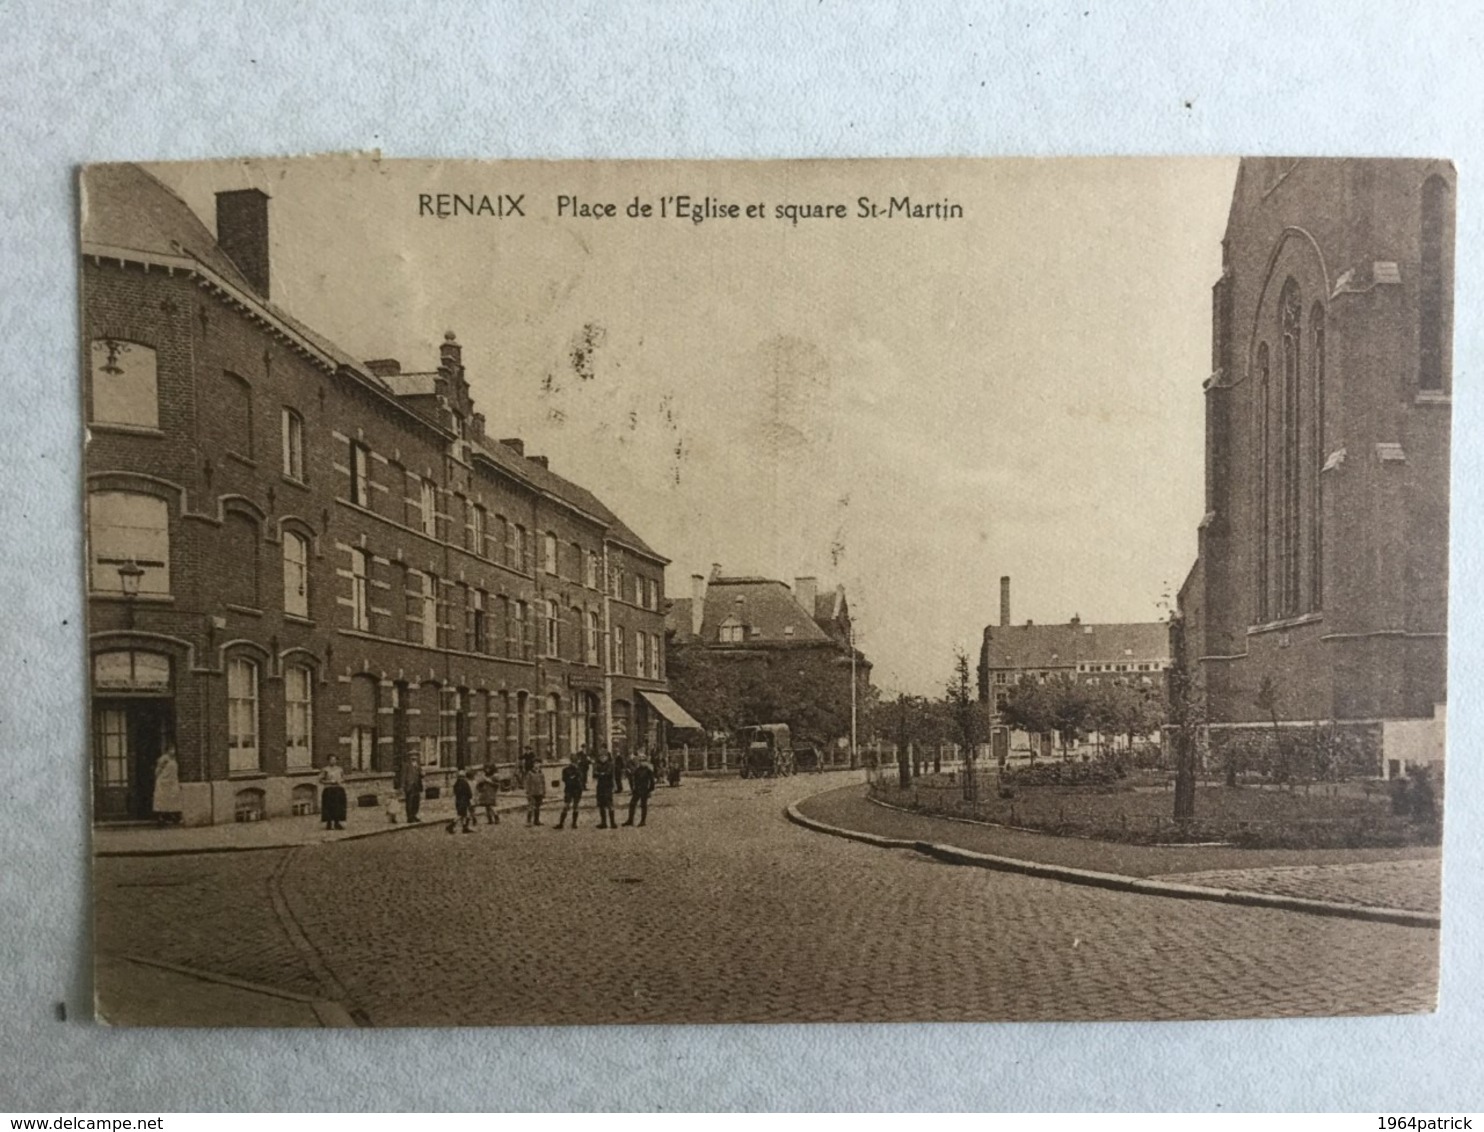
column 891, row 590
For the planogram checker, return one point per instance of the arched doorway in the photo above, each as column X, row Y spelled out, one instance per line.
column 133, row 723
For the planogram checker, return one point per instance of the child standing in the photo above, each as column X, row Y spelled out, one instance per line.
column 487, row 794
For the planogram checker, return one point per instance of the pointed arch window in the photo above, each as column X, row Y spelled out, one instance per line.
column 1264, row 500
column 1289, row 469
column 1317, row 459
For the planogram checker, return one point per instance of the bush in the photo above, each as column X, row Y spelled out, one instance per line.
column 1102, row 772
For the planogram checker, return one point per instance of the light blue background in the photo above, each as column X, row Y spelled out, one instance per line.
column 139, row 80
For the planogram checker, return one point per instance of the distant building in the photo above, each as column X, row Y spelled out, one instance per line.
column 742, row 649
column 1136, row 653
column 1323, row 553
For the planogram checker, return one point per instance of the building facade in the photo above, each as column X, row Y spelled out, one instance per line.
column 1322, row 571
column 293, row 554
column 1136, row 654
column 750, row 650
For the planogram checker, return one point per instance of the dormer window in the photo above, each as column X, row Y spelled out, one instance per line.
column 733, row 631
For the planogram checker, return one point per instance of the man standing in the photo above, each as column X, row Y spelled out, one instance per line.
column 572, row 782
column 412, row 785
column 641, row 786
column 603, row 778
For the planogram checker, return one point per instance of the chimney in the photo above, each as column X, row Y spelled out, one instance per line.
column 715, row 570
column 1076, row 619
column 476, row 426
column 541, row 460
column 805, row 590
column 242, row 232
column 516, row 443
column 384, row 367
column 697, row 602
column 1005, row 600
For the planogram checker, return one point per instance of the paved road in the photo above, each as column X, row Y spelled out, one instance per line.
column 721, row 911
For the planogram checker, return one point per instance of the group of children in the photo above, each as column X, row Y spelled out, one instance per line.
column 480, row 788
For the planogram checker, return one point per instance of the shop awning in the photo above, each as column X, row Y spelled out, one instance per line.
column 675, row 715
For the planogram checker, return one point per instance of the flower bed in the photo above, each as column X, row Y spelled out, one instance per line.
column 1325, row 817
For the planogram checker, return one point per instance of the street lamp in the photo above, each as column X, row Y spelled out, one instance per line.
column 130, row 572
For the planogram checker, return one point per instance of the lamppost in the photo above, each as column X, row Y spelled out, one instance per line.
column 130, row 572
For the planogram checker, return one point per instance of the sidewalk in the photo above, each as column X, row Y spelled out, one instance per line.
column 1338, row 881
column 150, row 992
column 275, row 833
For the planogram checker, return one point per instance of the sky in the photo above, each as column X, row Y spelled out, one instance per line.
column 910, row 407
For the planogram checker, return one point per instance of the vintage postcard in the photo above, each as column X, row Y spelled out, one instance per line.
column 892, row 590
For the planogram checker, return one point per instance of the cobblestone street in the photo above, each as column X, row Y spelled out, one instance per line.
column 721, row 911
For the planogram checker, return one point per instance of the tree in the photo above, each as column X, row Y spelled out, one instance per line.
column 970, row 719
column 1186, row 714
column 1028, row 708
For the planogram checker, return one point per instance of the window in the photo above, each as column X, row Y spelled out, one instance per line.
column 594, row 637
column 507, row 626
column 1316, row 459
column 298, row 701
column 591, row 570
column 360, row 594
column 293, row 445
column 448, row 727
column 242, row 715
column 1264, row 507
column 295, row 574
column 239, row 558
column 553, row 631
column 1289, row 470
column 1435, row 282
column 113, row 748
column 125, row 389
column 478, row 624
column 429, row 610
column 476, row 529
column 428, row 505
column 641, row 654
column 733, row 631
column 233, row 414
column 549, row 553
column 523, row 630
column 518, row 549
column 552, row 729
column 620, row 650
column 362, row 747
column 125, row 528
column 360, row 474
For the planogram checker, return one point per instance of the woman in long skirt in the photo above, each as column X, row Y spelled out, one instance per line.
column 332, row 796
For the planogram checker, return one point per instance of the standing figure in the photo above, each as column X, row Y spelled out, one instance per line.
column 571, row 791
column 535, row 788
column 167, row 804
column 584, row 764
column 603, row 771
column 487, row 793
column 641, row 786
column 463, row 804
column 332, row 796
column 618, row 772
column 412, row 785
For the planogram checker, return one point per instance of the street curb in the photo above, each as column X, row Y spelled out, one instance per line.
column 328, row 1012
column 1118, row 883
column 379, row 831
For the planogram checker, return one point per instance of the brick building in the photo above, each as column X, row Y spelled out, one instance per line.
column 1135, row 653
column 293, row 553
column 748, row 650
column 1323, row 552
